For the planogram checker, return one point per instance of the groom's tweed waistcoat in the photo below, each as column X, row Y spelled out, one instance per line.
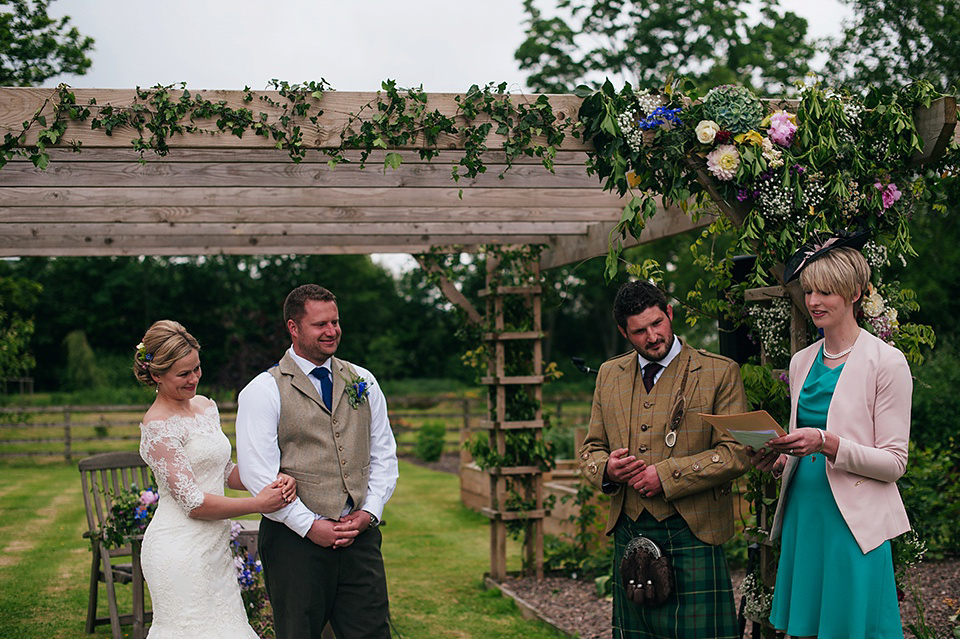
column 327, row 452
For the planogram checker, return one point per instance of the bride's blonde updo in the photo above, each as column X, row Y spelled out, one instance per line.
column 163, row 344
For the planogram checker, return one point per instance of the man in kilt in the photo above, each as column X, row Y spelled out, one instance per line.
column 669, row 473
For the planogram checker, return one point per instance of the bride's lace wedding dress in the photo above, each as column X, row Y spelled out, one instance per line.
column 187, row 562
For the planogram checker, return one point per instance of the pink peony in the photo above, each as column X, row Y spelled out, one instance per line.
column 148, row 497
column 889, row 194
column 782, row 128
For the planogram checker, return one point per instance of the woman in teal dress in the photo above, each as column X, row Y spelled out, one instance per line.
column 850, row 423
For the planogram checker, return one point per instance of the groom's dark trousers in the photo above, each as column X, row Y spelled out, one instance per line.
column 309, row 585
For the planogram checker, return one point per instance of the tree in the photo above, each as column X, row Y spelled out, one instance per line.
column 35, row 47
column 645, row 41
column 18, row 297
column 891, row 42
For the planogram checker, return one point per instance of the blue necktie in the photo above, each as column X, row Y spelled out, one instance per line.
column 326, row 385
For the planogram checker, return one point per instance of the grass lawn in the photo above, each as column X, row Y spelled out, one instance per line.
column 435, row 551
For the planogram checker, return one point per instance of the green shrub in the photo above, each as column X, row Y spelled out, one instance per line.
column 931, row 495
column 429, row 445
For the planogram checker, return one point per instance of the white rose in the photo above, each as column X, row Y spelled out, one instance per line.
column 707, row 131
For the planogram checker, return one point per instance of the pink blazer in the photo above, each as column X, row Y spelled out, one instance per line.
column 870, row 413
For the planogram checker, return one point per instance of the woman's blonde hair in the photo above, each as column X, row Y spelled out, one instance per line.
column 163, row 344
column 843, row 271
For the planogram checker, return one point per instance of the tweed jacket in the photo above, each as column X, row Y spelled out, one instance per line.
column 870, row 414
column 697, row 473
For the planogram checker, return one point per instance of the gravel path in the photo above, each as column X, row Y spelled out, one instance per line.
column 574, row 607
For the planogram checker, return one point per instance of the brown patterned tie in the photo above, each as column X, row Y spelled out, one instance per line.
column 649, row 372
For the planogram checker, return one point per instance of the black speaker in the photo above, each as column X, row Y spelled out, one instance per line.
column 734, row 342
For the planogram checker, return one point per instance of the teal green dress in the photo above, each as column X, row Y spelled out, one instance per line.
column 826, row 587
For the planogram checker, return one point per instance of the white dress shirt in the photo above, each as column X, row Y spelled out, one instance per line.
column 671, row 354
column 258, row 453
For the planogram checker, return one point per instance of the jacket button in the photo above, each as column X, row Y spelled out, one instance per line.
column 647, row 404
column 340, row 448
column 696, row 466
column 585, row 456
column 642, row 448
column 715, row 459
column 343, row 463
column 677, row 474
column 336, row 434
column 644, row 427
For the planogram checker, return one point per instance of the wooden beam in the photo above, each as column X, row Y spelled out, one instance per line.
column 305, row 230
column 85, row 245
column 449, row 198
column 936, row 125
column 50, row 214
column 665, row 223
column 286, row 174
column 18, row 104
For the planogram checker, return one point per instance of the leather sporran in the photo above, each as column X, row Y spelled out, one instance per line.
column 646, row 573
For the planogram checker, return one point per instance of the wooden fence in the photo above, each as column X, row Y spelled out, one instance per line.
column 73, row 432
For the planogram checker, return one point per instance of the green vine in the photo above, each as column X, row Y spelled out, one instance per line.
column 396, row 118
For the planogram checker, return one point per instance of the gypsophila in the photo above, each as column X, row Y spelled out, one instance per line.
column 813, row 191
column 648, row 102
column 876, row 255
column 758, row 599
column 628, row 126
column 771, row 321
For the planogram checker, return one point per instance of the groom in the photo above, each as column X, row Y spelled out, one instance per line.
column 324, row 421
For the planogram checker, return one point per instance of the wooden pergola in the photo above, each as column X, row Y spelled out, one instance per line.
column 220, row 194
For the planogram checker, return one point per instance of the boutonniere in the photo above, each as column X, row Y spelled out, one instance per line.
column 357, row 390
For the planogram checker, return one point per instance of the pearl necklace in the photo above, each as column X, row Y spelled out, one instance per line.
column 837, row 355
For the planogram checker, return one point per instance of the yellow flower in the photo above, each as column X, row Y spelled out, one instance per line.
column 750, row 137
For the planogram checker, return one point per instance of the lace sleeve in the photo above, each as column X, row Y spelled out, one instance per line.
column 226, row 472
column 161, row 446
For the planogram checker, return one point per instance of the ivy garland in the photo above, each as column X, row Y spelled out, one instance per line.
column 395, row 118
column 778, row 170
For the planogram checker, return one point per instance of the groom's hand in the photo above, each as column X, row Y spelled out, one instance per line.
column 330, row 534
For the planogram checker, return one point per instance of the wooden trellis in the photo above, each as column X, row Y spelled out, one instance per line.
column 502, row 388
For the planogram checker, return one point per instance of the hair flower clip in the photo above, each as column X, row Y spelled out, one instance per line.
column 143, row 357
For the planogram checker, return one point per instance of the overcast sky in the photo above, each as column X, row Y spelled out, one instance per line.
column 443, row 45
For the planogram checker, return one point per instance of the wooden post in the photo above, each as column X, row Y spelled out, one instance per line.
column 66, row 435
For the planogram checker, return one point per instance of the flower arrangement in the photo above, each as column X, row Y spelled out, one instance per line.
column 758, row 598
column 779, row 169
column 357, row 390
column 130, row 512
column 253, row 590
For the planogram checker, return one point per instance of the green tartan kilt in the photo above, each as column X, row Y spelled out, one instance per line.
column 701, row 606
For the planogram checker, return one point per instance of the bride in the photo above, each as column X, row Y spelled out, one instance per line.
column 186, row 554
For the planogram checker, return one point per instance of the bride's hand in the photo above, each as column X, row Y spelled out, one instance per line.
column 288, row 487
column 271, row 498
